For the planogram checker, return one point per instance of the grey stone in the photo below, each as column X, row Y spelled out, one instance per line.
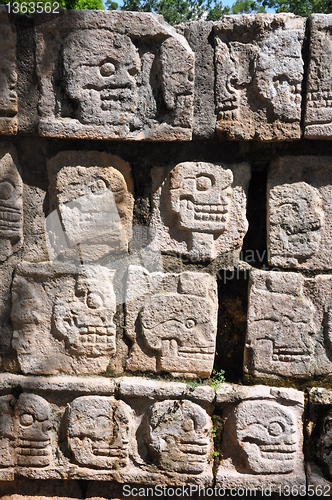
column 262, row 440
column 177, row 318
column 259, row 73
column 199, row 209
column 121, row 75
column 299, row 212
column 8, row 75
column 318, row 113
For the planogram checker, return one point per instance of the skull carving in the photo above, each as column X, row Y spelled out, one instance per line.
column 181, row 328
column 266, row 433
column 98, row 431
column 86, row 322
column 201, row 194
column 325, row 445
column 33, row 445
column 11, row 208
column 179, row 438
column 99, row 69
column 296, row 216
column 7, row 431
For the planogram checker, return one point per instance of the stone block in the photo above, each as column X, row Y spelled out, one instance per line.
column 11, row 203
column 63, row 318
column 262, row 439
column 199, row 209
column 91, row 205
column 113, row 75
column 171, row 320
column 259, row 73
column 105, row 431
column 289, row 330
column 318, row 111
column 299, row 220
column 8, row 75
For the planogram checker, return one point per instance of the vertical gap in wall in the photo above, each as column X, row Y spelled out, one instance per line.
column 254, row 250
column 232, row 321
column 306, row 60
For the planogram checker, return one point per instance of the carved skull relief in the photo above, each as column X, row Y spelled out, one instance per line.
column 33, row 446
column 7, row 432
column 201, row 194
column 325, row 445
column 11, row 208
column 266, row 433
column 100, row 69
column 295, row 218
column 98, row 431
column 85, row 321
column 179, row 437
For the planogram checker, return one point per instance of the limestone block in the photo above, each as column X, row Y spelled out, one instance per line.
column 289, row 326
column 259, row 73
column 171, row 320
column 299, row 220
column 199, row 209
column 262, row 439
column 113, row 75
column 318, row 112
column 11, row 204
column 91, row 205
column 63, row 318
column 8, row 75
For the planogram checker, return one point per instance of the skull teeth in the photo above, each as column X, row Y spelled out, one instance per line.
column 96, row 340
column 98, row 330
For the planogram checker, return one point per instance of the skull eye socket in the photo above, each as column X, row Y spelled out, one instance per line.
column 190, row 323
column 26, row 419
column 98, row 187
column 94, row 300
column 188, row 425
column 275, row 429
column 6, row 190
column 204, row 182
column 107, row 69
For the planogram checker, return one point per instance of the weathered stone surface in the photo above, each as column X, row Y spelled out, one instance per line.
column 199, row 209
column 318, row 114
column 259, row 73
column 262, row 439
column 114, row 75
column 11, row 204
column 91, row 198
column 299, row 212
column 289, row 331
column 8, row 75
column 63, row 318
column 171, row 320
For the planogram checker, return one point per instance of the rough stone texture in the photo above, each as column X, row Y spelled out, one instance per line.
column 11, row 204
column 8, row 75
column 199, row 209
column 84, row 435
column 171, row 319
column 91, row 198
column 262, row 439
column 299, row 216
column 68, row 314
column 318, row 113
column 289, row 325
column 114, row 76
column 259, row 73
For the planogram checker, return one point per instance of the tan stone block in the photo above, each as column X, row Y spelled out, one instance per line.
column 318, row 112
column 199, row 209
column 299, row 220
column 121, row 75
column 8, row 75
column 259, row 73
column 172, row 327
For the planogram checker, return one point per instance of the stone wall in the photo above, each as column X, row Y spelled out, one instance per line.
column 165, row 214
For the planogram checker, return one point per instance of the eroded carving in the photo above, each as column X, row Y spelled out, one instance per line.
column 7, row 431
column 11, row 208
column 208, row 209
column 259, row 76
column 99, row 431
column 180, row 437
column 124, row 76
column 325, row 445
column 8, row 75
column 172, row 320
